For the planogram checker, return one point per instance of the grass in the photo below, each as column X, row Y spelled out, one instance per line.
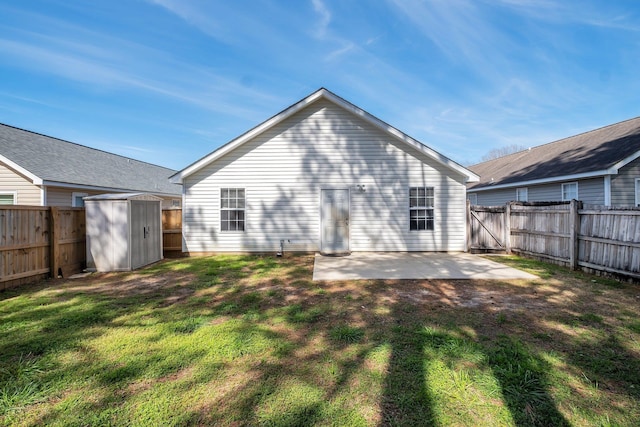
column 250, row 340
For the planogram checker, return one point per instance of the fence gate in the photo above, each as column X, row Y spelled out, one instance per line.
column 486, row 228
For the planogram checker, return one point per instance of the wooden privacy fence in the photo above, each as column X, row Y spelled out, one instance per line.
column 172, row 232
column 37, row 242
column 597, row 238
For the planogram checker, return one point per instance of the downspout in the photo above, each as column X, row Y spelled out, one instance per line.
column 607, row 190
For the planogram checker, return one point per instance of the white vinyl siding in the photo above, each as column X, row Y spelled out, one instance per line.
column 322, row 146
column 12, row 182
column 569, row 191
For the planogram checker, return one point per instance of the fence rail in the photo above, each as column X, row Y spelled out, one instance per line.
column 38, row 242
column 595, row 238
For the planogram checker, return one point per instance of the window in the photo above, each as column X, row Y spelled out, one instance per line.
column 76, row 199
column 232, row 209
column 473, row 198
column 421, row 202
column 569, row 191
column 175, row 203
column 522, row 194
column 8, row 197
column 637, row 192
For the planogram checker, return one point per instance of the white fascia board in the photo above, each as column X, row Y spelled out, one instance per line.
column 625, row 162
column 323, row 93
column 36, row 180
column 96, row 188
column 573, row 177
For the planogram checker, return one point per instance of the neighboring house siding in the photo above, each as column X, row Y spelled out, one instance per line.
column 590, row 191
column 284, row 169
column 58, row 196
column 623, row 184
column 496, row 197
column 27, row 193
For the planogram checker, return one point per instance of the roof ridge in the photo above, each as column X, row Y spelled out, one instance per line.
column 560, row 140
column 85, row 146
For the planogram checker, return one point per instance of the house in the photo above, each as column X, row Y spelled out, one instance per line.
column 323, row 175
column 40, row 170
column 600, row 167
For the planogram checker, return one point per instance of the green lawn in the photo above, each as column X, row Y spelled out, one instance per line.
column 248, row 340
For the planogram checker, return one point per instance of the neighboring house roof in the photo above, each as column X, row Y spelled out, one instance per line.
column 52, row 161
column 323, row 93
column 595, row 153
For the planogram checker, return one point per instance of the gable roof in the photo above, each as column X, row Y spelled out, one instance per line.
column 595, row 153
column 323, row 93
column 52, row 161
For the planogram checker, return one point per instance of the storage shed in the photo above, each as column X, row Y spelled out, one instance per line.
column 124, row 231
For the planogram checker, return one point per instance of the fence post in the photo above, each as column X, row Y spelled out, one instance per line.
column 467, row 242
column 574, row 227
column 507, row 227
column 54, row 246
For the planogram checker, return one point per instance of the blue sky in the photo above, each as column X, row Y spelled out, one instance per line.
column 168, row 81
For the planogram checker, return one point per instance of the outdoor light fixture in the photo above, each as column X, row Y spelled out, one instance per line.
column 361, row 188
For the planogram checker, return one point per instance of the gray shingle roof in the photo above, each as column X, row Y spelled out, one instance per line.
column 587, row 152
column 53, row 159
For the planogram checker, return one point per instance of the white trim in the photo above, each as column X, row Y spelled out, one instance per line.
column 625, row 161
column 637, row 191
column 426, row 208
column 573, row 177
column 607, row 190
column 43, row 196
column 105, row 189
column 13, row 193
column 526, row 194
column 322, row 93
column 74, row 195
column 562, row 191
column 36, row 180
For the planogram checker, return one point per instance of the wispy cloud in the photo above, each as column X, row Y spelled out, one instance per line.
column 324, row 17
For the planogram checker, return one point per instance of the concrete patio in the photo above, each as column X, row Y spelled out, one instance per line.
column 412, row 265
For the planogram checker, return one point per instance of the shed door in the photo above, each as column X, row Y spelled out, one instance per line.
column 146, row 233
column 334, row 221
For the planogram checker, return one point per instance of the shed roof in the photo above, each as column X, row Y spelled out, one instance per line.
column 50, row 161
column 323, row 93
column 595, row 153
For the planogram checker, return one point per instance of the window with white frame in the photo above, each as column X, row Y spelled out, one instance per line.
column 232, row 206
column 76, row 199
column 522, row 194
column 8, row 197
column 569, row 191
column 421, row 206
column 637, row 192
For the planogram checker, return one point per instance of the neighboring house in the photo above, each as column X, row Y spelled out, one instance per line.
column 600, row 167
column 324, row 175
column 43, row 171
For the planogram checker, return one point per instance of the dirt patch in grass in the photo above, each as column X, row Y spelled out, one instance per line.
column 250, row 340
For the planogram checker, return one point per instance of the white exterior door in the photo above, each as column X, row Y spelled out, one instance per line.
column 334, row 221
